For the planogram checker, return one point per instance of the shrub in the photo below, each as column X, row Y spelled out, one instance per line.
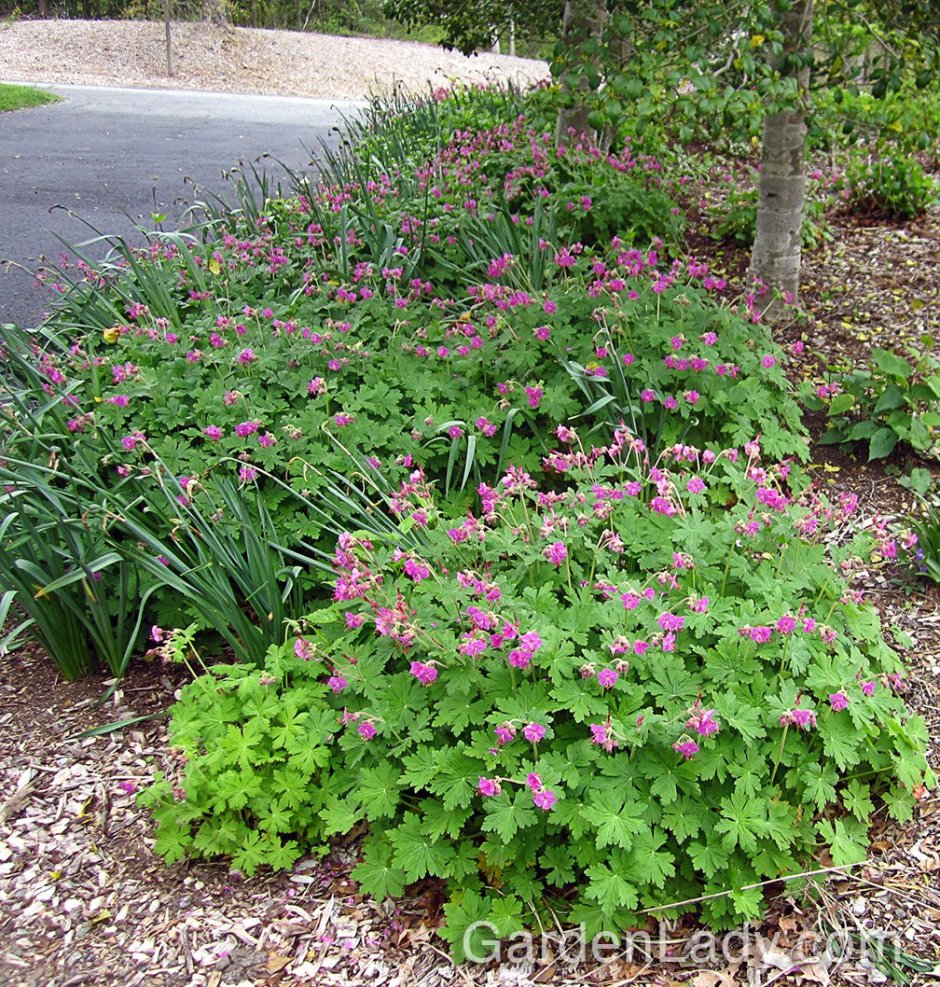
column 920, row 538
column 889, row 185
column 907, row 118
column 606, row 695
column 892, row 400
column 735, row 218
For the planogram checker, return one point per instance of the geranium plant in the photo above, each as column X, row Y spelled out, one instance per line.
column 645, row 682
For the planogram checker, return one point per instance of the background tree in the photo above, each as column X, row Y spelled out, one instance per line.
column 776, row 254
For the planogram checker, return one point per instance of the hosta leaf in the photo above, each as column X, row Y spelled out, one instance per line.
column 841, row 403
column 891, row 363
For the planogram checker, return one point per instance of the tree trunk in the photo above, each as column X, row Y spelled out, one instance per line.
column 583, row 21
column 169, row 38
column 776, row 254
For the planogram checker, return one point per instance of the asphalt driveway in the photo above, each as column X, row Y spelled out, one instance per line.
column 114, row 157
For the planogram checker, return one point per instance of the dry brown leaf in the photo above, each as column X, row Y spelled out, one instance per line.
column 713, row 978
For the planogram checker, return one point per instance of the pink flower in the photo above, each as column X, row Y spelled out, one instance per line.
column 247, row 355
column 696, row 485
column 425, row 674
column 600, row 736
column 530, row 641
column 533, row 396
column 316, row 386
column 212, row 432
column 416, row 570
column 128, row 787
column 838, row 701
column 304, row 650
column 247, row 474
column 504, row 733
column 687, row 748
column 768, row 361
column 868, row 688
column 607, row 678
column 556, row 553
column 129, row 442
column 244, row 429
column 671, row 622
column 488, row 787
column 337, row 683
column 157, row 634
column 121, row 400
column 353, row 620
column 341, row 420
column 786, row 624
column 544, row 799
column 367, row 730
column 533, row 732
column 519, row 658
column 760, row 635
column 703, row 723
column 533, row 781
column 802, row 719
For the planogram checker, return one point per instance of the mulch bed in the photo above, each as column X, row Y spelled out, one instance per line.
column 84, row 901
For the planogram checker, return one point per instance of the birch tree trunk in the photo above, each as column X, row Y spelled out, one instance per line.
column 776, row 254
column 583, row 21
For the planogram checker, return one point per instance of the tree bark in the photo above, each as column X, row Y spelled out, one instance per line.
column 169, row 38
column 583, row 21
column 776, row 254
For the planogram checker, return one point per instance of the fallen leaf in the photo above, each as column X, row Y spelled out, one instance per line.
column 276, row 962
